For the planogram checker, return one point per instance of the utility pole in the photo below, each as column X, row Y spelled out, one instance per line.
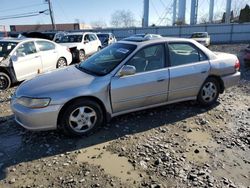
column 51, row 14
column 228, row 11
column 211, row 11
column 174, row 12
column 145, row 13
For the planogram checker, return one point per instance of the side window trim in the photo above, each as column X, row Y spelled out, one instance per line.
column 188, row 43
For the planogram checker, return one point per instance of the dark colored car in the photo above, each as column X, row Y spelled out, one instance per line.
column 106, row 38
column 247, row 54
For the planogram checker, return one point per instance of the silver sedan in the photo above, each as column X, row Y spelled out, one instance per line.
column 130, row 75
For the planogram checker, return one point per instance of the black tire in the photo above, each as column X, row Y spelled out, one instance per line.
column 61, row 62
column 5, row 81
column 81, row 55
column 209, row 92
column 70, row 127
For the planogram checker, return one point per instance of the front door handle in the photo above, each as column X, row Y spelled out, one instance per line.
column 203, row 72
column 37, row 56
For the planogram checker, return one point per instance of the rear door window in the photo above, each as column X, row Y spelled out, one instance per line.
column 45, row 46
column 184, row 53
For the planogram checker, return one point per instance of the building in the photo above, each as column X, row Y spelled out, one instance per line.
column 47, row 27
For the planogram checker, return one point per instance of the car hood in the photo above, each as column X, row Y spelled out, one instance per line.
column 69, row 45
column 56, row 81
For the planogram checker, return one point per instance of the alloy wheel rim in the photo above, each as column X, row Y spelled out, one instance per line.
column 81, row 55
column 3, row 82
column 82, row 119
column 209, row 92
column 61, row 63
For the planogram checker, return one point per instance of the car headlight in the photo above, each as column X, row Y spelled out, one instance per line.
column 33, row 102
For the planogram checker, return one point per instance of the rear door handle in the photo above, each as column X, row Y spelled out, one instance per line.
column 203, row 72
column 161, row 80
column 37, row 56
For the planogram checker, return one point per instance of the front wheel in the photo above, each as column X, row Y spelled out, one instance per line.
column 61, row 63
column 81, row 117
column 209, row 92
column 5, row 81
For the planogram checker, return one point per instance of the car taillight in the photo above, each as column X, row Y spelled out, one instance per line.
column 237, row 65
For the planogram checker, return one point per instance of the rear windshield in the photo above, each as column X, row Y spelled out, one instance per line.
column 103, row 37
column 199, row 35
column 6, row 48
column 49, row 36
column 71, row 38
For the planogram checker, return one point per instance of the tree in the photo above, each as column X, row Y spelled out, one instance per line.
column 122, row 18
column 245, row 14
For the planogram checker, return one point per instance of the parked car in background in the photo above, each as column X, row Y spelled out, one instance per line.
column 247, row 54
column 49, row 35
column 124, row 77
column 22, row 59
column 106, row 39
column 54, row 35
column 81, row 45
column 201, row 37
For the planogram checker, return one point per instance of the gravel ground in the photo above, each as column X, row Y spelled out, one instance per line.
column 180, row 145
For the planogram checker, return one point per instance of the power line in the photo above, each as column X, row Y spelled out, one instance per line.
column 23, row 15
column 23, row 7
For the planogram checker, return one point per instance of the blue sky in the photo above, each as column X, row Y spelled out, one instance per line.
column 94, row 10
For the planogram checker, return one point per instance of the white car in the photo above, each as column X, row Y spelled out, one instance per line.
column 201, row 37
column 22, row 59
column 81, row 45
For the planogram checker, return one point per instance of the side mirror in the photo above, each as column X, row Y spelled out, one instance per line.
column 127, row 70
column 86, row 41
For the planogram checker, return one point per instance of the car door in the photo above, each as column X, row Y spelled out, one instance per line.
column 27, row 63
column 148, row 86
column 48, row 53
column 87, row 44
column 93, row 43
column 189, row 69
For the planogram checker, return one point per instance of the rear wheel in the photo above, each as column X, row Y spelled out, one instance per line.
column 81, row 117
column 61, row 62
column 5, row 81
column 82, row 55
column 209, row 92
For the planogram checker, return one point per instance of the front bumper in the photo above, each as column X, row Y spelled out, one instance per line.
column 231, row 80
column 36, row 119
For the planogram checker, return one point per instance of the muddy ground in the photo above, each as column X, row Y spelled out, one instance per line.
column 180, row 145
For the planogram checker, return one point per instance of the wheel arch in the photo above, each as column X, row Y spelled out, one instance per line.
column 220, row 81
column 92, row 98
column 63, row 58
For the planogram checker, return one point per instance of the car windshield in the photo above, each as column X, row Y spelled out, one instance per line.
column 71, row 38
column 6, row 48
column 103, row 37
column 107, row 59
column 199, row 35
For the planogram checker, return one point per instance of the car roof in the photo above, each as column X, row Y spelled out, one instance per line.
column 142, row 41
column 80, row 33
column 198, row 32
column 18, row 40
